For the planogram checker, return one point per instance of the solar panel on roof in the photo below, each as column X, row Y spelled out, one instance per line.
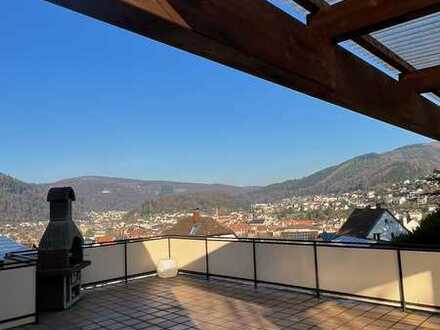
column 8, row 245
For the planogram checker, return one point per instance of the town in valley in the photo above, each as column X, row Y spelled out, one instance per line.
column 297, row 217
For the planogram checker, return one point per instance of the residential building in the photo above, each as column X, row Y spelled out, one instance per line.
column 376, row 224
column 197, row 225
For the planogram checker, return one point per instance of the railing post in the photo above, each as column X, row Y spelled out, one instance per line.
column 125, row 262
column 315, row 252
column 37, row 313
column 255, row 263
column 401, row 289
column 207, row 258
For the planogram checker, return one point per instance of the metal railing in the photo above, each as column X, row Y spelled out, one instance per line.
column 407, row 275
column 206, row 260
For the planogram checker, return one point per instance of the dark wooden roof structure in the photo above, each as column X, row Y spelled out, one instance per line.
column 257, row 37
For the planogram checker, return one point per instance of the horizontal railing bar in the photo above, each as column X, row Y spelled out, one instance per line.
column 18, row 318
column 353, row 295
column 152, row 272
column 153, row 238
column 21, row 259
column 195, row 238
column 378, row 246
column 356, row 247
column 117, row 279
column 15, row 264
column 312, row 290
column 216, row 275
column 102, row 245
column 285, row 243
column 128, row 240
column 409, row 304
column 114, row 279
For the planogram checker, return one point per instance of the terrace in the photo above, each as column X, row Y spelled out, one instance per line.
column 258, row 38
column 239, row 284
column 193, row 303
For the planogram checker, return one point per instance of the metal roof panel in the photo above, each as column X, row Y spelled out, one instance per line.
column 8, row 245
column 416, row 41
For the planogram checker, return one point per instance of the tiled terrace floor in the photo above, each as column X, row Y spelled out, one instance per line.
column 193, row 303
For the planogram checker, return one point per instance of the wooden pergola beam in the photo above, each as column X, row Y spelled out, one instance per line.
column 369, row 43
column 422, row 81
column 351, row 18
column 365, row 41
column 258, row 38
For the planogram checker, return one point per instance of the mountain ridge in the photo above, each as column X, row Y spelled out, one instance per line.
column 364, row 172
column 21, row 201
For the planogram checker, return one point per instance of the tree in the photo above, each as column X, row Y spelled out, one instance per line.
column 427, row 233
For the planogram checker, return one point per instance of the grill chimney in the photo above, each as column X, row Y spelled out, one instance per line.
column 60, row 200
column 62, row 234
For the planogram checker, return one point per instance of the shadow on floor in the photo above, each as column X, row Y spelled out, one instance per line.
column 189, row 302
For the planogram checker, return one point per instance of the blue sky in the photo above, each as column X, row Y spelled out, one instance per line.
column 79, row 97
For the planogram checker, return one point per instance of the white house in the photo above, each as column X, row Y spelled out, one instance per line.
column 375, row 224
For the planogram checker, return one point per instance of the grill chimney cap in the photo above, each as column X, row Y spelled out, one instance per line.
column 61, row 194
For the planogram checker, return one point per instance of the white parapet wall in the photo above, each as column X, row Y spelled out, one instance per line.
column 143, row 257
column 367, row 272
column 17, row 295
column 108, row 263
column 421, row 277
column 286, row 264
column 231, row 259
column 190, row 254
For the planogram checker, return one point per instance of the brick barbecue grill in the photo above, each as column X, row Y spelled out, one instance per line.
column 60, row 255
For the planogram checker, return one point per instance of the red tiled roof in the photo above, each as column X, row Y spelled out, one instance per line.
column 198, row 226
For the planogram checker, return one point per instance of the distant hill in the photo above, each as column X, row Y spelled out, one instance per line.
column 361, row 173
column 365, row 172
column 104, row 193
column 20, row 201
